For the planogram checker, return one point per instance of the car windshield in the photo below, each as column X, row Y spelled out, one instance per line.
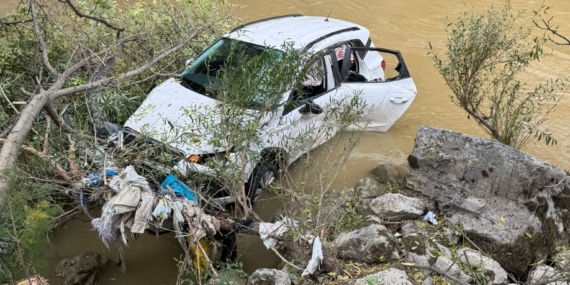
column 206, row 70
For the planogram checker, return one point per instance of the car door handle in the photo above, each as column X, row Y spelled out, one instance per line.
column 399, row 100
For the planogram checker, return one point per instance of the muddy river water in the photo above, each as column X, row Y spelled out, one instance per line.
column 406, row 25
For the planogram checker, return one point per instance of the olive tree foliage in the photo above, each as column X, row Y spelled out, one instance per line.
column 52, row 46
column 49, row 51
column 483, row 64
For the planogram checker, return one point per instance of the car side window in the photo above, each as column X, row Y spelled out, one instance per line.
column 321, row 81
column 348, row 62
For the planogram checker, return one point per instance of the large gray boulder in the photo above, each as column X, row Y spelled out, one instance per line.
column 367, row 245
column 496, row 275
column 83, row 269
column 509, row 203
column 397, row 207
column 271, row 277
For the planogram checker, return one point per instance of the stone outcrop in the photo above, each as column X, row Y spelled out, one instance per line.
column 367, row 245
column 83, row 269
column 486, row 187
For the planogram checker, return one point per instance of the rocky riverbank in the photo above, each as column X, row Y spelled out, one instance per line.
column 467, row 211
column 501, row 218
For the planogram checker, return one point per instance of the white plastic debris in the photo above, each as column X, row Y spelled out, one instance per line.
column 269, row 231
column 316, row 258
column 430, row 217
column 161, row 211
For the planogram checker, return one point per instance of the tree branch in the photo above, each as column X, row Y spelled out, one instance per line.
column 100, row 20
column 129, row 74
column 548, row 27
column 39, row 154
column 15, row 22
column 41, row 40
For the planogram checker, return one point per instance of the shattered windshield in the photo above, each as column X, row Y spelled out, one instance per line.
column 205, row 73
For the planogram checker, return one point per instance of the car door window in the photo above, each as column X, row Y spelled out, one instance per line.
column 316, row 84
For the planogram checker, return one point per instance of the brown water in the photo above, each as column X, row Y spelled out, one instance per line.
column 405, row 25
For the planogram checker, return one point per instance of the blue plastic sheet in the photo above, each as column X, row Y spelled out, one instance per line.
column 430, row 217
column 179, row 188
column 95, row 178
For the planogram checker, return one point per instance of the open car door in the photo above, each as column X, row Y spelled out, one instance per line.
column 386, row 100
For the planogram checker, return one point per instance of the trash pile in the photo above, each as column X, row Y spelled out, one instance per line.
column 133, row 205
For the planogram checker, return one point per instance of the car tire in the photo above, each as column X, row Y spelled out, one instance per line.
column 262, row 176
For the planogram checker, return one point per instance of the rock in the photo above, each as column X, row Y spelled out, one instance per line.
column 446, row 252
column 428, row 281
column 451, row 235
column 390, row 276
column 366, row 245
column 562, row 260
column 229, row 277
column 487, row 187
column 415, row 243
column 271, row 277
column 397, row 207
column 494, row 272
column 452, row 269
column 419, row 260
column 368, row 188
column 386, row 174
column 413, row 228
column 544, row 273
column 83, row 269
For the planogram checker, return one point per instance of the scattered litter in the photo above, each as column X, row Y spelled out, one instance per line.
column 161, row 211
column 269, row 231
column 430, row 217
column 95, row 178
column 178, row 187
column 132, row 208
column 397, row 235
column 316, row 258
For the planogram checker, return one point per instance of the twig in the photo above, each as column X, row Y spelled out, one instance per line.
column 285, row 260
column 100, row 20
column 37, row 153
column 436, row 271
column 46, row 136
column 15, row 22
column 9, row 102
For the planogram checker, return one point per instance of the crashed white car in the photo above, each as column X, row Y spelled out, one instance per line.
column 359, row 68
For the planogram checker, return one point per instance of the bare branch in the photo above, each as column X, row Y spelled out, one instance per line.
column 43, row 44
column 547, row 27
column 39, row 154
column 129, row 74
column 51, row 112
column 100, row 20
column 15, row 22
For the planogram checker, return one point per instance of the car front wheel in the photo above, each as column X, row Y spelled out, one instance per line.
column 263, row 176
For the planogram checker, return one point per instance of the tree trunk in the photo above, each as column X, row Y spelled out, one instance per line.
column 11, row 148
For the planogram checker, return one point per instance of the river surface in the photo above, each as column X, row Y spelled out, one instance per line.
column 405, row 25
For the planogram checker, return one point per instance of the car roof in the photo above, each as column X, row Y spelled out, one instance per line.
column 301, row 31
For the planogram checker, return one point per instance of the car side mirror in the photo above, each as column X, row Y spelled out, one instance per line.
column 189, row 61
column 311, row 107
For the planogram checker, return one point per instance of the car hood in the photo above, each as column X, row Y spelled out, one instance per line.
column 168, row 115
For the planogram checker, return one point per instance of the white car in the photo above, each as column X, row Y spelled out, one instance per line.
column 361, row 69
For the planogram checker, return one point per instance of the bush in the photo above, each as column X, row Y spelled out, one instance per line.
column 483, row 64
